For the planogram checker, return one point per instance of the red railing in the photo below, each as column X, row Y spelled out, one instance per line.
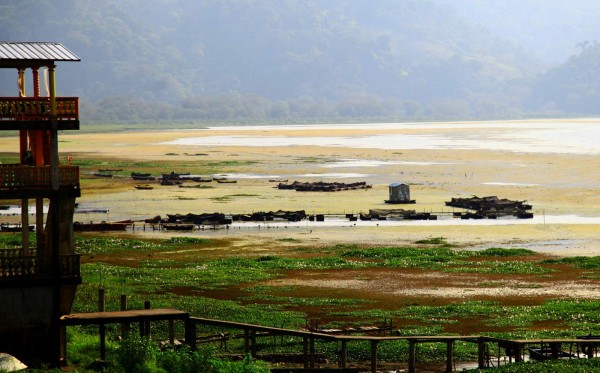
column 36, row 177
column 14, row 265
column 38, row 108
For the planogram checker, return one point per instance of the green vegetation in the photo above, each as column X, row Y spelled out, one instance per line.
column 137, row 354
column 556, row 366
column 583, row 262
column 172, row 273
column 440, row 241
column 231, row 197
column 496, row 251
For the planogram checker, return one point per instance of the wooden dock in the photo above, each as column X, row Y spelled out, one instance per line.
column 513, row 349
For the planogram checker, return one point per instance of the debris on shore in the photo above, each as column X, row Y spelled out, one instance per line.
column 321, row 186
column 491, row 207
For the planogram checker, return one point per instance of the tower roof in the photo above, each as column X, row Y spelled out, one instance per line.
column 19, row 54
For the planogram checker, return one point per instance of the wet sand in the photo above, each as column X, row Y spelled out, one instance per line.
column 557, row 184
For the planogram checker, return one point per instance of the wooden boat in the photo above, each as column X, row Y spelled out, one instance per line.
column 278, row 180
column 200, row 179
column 175, row 175
column 110, row 169
column 14, row 227
column 143, row 187
column 226, row 181
column 178, row 226
column 100, row 174
column 140, row 176
column 170, row 182
column 100, row 227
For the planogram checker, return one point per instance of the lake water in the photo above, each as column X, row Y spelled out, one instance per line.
column 574, row 137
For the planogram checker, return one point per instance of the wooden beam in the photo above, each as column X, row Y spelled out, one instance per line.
column 449, row 356
column 412, row 345
column 374, row 356
column 343, row 354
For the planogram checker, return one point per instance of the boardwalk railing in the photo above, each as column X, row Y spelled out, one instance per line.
column 18, row 176
column 15, row 266
column 38, row 108
column 513, row 349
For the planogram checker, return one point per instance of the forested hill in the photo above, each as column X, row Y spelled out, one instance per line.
column 553, row 30
column 277, row 60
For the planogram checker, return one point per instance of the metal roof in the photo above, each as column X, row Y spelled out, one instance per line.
column 34, row 52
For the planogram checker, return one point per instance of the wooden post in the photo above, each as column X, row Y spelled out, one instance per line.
column 555, row 349
column 374, row 356
column 411, row 357
column 39, row 226
column 246, row 341
column 171, row 332
column 63, row 345
column 147, row 323
column 305, row 351
column 343, row 354
column 125, row 327
column 101, row 326
column 449, row 356
column 312, row 352
column 190, row 333
column 101, row 300
column 518, row 353
column 253, row 343
column 481, row 354
column 25, row 225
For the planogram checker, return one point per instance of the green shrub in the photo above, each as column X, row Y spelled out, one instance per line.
column 137, row 355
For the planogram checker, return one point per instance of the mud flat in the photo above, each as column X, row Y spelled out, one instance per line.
column 553, row 165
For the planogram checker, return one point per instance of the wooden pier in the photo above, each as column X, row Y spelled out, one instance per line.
column 514, row 350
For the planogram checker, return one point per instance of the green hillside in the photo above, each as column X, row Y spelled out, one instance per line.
column 287, row 60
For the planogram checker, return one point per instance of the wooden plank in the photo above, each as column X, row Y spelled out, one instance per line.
column 91, row 318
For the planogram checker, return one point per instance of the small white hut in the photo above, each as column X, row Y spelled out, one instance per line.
column 399, row 193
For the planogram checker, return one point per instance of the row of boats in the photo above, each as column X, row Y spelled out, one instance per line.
column 172, row 178
column 175, row 178
column 321, row 186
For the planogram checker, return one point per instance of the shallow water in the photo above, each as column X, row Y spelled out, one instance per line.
column 535, row 137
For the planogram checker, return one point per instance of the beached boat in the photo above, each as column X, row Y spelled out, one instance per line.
column 225, row 181
column 4, row 227
column 175, row 175
column 142, row 176
column 100, row 174
column 178, row 226
column 200, row 179
column 170, row 182
column 143, row 187
column 100, row 227
column 110, row 169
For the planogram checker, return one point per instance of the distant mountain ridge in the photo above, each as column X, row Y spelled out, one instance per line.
column 285, row 60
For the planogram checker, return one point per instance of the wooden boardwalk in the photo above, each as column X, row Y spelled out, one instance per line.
column 514, row 349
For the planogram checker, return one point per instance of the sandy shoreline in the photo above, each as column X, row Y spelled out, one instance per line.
column 556, row 184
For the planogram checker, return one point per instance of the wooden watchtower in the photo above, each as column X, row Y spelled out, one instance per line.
column 38, row 281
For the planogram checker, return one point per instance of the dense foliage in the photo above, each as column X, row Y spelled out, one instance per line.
column 216, row 60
